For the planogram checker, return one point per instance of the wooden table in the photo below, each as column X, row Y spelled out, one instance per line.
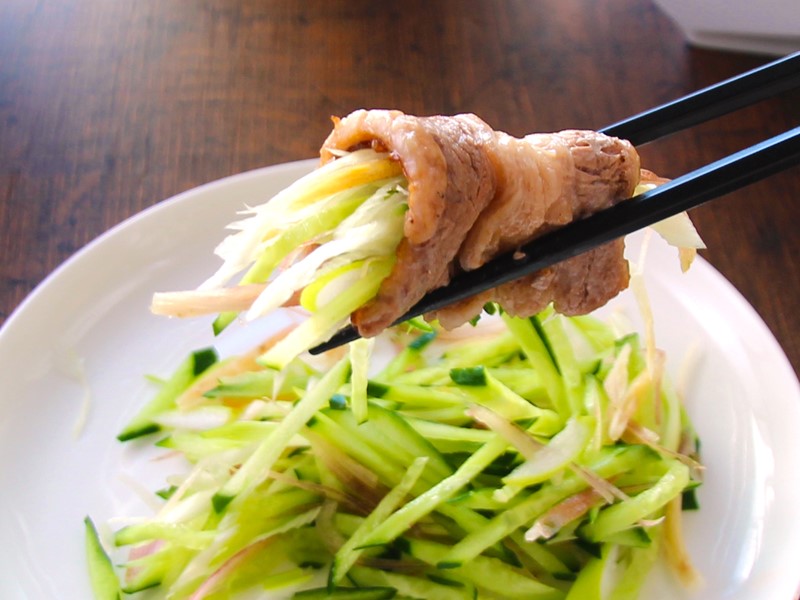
column 107, row 108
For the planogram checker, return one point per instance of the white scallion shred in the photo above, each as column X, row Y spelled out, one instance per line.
column 677, row 231
column 73, row 366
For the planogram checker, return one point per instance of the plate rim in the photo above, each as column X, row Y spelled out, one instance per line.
column 162, row 205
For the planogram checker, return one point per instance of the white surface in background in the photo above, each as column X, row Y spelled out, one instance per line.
column 757, row 26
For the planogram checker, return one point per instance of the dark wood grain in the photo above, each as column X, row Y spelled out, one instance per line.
column 109, row 107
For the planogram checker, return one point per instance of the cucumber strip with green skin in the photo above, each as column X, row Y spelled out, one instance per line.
column 522, row 381
column 469, row 376
column 256, row 468
column 540, row 554
column 563, row 448
column 409, row 585
column 477, row 499
column 596, row 403
column 258, row 384
column 454, row 415
column 252, row 384
column 239, row 434
column 388, row 471
column 599, row 335
column 571, row 376
column 540, row 359
column 366, row 593
column 306, row 469
column 328, row 319
column 422, row 396
column 195, row 447
column 639, row 564
column 148, row 572
column 347, row 524
column 103, row 578
column 489, row 353
column 483, row 499
column 625, row 514
column 159, row 568
column 223, row 320
column 180, row 535
column 189, row 370
column 408, row 359
column 360, row 352
column 498, row 397
column 422, row 375
column 292, row 577
column 589, row 584
column 689, row 500
column 389, row 424
column 388, row 434
column 490, row 574
column 614, row 577
column 431, row 431
column 670, row 436
column 427, row 502
column 467, row 519
column 262, row 509
column 349, row 553
column 635, row 537
column 533, row 507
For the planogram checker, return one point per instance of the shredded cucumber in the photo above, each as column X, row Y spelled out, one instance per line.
column 414, row 478
column 105, row 585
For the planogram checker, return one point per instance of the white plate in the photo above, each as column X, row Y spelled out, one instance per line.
column 93, row 311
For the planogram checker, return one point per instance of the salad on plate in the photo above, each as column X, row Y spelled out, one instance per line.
column 511, row 446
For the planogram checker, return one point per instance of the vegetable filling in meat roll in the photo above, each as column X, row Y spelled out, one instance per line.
column 400, row 204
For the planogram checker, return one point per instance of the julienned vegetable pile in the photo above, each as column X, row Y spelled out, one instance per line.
column 539, row 458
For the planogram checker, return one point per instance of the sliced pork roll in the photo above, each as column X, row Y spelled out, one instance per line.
column 399, row 205
column 451, row 180
column 475, row 193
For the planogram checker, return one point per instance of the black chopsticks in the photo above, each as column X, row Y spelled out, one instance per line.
column 709, row 103
column 683, row 193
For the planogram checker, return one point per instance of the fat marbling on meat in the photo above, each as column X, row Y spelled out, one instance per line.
column 475, row 193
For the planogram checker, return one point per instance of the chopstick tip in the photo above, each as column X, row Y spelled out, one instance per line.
column 340, row 338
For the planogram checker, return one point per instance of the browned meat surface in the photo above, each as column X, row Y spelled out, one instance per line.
column 475, row 193
column 547, row 180
column 451, row 181
column 575, row 287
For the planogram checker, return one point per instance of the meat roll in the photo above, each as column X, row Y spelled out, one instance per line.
column 475, row 193
column 399, row 205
